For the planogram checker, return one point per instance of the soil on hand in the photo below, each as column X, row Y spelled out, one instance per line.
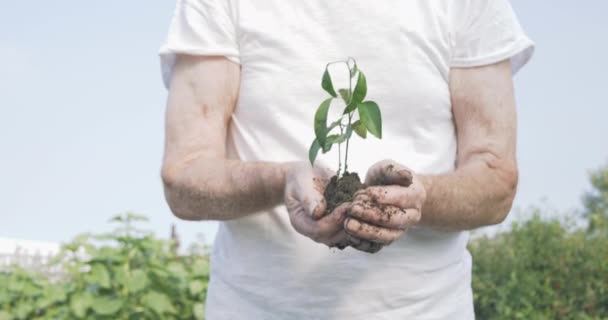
column 341, row 190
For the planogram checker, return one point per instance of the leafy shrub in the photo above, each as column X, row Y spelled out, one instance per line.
column 129, row 274
column 540, row 270
column 547, row 269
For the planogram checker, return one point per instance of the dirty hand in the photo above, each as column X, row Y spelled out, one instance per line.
column 304, row 187
column 382, row 212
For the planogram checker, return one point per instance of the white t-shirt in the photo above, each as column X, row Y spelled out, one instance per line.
column 261, row 268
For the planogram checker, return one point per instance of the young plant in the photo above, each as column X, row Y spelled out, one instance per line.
column 340, row 131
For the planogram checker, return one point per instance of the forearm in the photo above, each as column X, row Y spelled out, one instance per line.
column 223, row 189
column 479, row 193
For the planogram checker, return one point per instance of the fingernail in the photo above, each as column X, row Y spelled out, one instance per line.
column 352, row 224
column 313, row 207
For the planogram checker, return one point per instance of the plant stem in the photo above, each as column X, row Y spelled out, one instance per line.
column 339, row 153
column 350, row 115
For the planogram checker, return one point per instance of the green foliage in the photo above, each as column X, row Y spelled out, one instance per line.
column 541, row 270
column 547, row 269
column 327, row 84
column 370, row 119
column 128, row 274
column 596, row 200
column 360, row 90
column 369, row 113
column 321, row 128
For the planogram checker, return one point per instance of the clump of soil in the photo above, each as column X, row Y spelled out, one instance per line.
column 341, row 190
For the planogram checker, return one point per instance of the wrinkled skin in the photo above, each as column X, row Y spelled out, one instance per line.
column 382, row 212
column 306, row 205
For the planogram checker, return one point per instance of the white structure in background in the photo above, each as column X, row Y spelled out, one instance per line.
column 26, row 253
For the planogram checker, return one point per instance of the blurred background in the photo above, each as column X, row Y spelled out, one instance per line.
column 82, row 105
column 81, row 137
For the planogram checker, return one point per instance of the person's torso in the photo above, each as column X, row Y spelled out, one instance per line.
column 403, row 47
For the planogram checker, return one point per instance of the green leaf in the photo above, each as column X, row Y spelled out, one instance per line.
column 321, row 121
column 199, row 311
column 100, row 275
column 360, row 129
column 350, row 107
column 158, row 302
column 313, row 151
column 348, row 134
column 345, row 94
column 80, row 303
column 16, row 286
column 106, row 306
column 120, row 275
column 137, row 281
column 177, row 269
column 336, row 139
column 130, row 216
column 369, row 114
column 30, row 290
column 353, row 71
column 200, row 267
column 327, row 84
column 5, row 316
column 197, row 287
column 360, row 89
column 51, row 295
column 117, row 218
column 334, row 124
column 23, row 310
column 330, row 142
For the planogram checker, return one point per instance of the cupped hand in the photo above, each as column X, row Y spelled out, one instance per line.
column 382, row 212
column 304, row 187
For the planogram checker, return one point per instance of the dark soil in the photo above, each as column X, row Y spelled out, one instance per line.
column 341, row 190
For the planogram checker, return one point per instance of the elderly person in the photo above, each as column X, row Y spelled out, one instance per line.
column 244, row 83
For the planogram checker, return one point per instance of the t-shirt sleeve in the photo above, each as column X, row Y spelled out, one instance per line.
column 200, row 27
column 486, row 32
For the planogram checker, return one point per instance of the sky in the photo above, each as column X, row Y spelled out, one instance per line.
column 82, row 106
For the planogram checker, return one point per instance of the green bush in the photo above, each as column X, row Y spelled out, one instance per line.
column 128, row 274
column 547, row 269
column 540, row 270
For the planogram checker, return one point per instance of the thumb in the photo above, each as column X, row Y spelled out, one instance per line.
column 316, row 206
column 388, row 172
column 308, row 192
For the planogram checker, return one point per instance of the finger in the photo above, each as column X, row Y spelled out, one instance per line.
column 319, row 230
column 300, row 221
column 335, row 220
column 397, row 196
column 305, row 187
column 366, row 231
column 388, row 172
column 313, row 201
column 318, row 205
column 337, row 217
column 384, row 216
column 361, row 196
column 364, row 245
column 317, row 210
column 293, row 203
column 339, row 240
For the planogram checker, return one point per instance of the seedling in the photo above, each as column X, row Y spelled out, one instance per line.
column 344, row 184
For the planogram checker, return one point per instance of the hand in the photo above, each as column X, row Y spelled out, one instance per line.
column 382, row 212
column 306, row 205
